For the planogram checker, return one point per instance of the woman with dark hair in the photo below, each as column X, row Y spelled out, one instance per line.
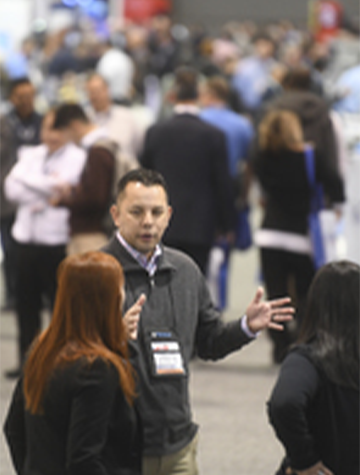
column 314, row 407
column 72, row 411
column 285, row 247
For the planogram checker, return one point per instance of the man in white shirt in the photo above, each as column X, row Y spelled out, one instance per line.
column 119, row 121
column 90, row 199
column 41, row 231
column 118, row 70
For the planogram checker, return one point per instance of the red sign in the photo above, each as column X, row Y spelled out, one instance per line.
column 141, row 10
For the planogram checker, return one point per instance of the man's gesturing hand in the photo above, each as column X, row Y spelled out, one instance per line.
column 132, row 317
column 268, row 314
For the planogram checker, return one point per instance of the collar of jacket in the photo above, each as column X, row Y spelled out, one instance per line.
column 130, row 264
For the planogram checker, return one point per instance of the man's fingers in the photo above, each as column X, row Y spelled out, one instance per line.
column 281, row 318
column 141, row 300
column 259, row 295
column 279, row 302
column 138, row 305
column 283, row 311
column 275, row 326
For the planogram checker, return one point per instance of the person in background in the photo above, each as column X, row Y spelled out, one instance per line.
column 73, row 409
column 40, row 231
column 25, row 127
column 196, row 170
column 117, row 68
column 25, row 122
column 252, row 76
column 285, row 247
column 118, row 121
column 238, row 130
column 314, row 406
column 7, row 216
column 347, row 91
column 312, row 110
column 90, row 199
column 176, row 318
column 325, row 19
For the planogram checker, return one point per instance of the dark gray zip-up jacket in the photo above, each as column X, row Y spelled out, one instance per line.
column 178, row 301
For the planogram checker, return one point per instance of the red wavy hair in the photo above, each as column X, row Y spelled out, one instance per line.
column 87, row 323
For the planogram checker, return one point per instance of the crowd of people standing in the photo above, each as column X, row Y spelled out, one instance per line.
column 190, row 123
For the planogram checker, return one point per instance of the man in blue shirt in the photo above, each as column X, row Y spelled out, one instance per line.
column 238, row 129
column 348, row 89
column 239, row 132
column 252, row 76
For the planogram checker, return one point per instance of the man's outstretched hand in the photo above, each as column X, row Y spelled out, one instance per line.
column 268, row 314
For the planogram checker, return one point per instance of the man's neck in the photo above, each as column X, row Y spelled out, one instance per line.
column 216, row 104
column 86, row 129
column 23, row 117
column 103, row 110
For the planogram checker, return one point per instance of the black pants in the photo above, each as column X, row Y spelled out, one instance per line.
column 36, row 278
column 9, row 257
column 286, row 273
column 198, row 252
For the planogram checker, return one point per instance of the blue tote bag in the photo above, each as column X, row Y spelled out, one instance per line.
column 316, row 204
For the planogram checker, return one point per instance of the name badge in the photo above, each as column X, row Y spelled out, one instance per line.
column 166, row 355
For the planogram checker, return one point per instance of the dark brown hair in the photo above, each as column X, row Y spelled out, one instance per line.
column 331, row 321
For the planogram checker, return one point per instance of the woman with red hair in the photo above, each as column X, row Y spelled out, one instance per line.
column 72, row 411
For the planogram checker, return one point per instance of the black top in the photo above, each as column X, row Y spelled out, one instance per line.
column 192, row 157
column 26, row 131
column 283, row 179
column 87, row 427
column 314, row 418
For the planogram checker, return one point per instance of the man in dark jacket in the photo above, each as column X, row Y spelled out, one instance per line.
column 312, row 110
column 192, row 157
column 24, row 121
column 21, row 126
column 177, row 315
column 7, row 214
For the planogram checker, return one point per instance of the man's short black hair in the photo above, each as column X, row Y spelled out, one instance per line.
column 18, row 82
column 66, row 113
column 186, row 83
column 144, row 176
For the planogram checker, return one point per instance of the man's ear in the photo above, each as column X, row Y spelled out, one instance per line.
column 114, row 211
column 170, row 212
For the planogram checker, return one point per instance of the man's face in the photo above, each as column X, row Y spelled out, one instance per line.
column 73, row 132
column 98, row 94
column 22, row 98
column 142, row 214
column 264, row 48
column 54, row 139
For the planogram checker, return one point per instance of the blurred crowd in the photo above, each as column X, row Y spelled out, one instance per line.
column 138, row 60
column 109, row 93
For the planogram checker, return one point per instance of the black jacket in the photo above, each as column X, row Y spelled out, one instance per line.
column 283, row 179
column 315, row 119
column 314, row 418
column 25, row 131
column 87, row 427
column 178, row 301
column 192, row 157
